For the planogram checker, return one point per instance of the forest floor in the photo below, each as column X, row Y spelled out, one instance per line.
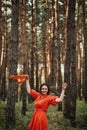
column 55, row 118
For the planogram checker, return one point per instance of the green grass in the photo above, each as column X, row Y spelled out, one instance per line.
column 55, row 118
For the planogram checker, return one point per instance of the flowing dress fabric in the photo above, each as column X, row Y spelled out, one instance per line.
column 39, row 119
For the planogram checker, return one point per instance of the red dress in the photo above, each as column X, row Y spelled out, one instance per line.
column 39, row 119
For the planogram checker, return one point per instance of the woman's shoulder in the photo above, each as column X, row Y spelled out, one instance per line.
column 34, row 93
column 51, row 96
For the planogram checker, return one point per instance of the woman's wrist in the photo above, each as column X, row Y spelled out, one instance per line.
column 63, row 89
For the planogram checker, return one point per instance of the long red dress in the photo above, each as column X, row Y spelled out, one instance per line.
column 39, row 119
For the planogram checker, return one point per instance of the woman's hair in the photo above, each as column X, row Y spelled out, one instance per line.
column 44, row 84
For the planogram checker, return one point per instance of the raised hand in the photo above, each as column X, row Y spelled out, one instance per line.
column 20, row 78
column 64, row 86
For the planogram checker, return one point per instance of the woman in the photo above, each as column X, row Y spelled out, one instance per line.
column 42, row 101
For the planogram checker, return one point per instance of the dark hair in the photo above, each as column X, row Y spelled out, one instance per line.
column 45, row 85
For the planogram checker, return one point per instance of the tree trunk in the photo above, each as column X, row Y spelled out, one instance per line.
column 36, row 48
column 24, row 53
column 0, row 30
column 13, row 59
column 85, row 49
column 53, row 57
column 4, row 59
column 32, row 46
column 0, row 43
column 70, row 64
column 78, row 54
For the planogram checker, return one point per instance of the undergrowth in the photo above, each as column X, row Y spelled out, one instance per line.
column 55, row 118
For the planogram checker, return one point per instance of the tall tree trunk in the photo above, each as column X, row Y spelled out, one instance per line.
column 13, row 61
column 53, row 60
column 46, row 44
column 0, row 30
column 36, row 48
column 0, row 41
column 70, row 65
column 78, row 54
column 32, row 49
column 67, row 67
column 24, row 54
column 73, row 65
column 57, row 44
column 44, row 50
column 4, row 60
column 85, row 49
column 32, row 46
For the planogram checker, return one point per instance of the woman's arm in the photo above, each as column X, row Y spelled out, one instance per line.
column 30, row 91
column 60, row 99
column 28, row 86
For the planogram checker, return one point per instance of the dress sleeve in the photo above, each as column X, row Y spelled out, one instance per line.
column 52, row 100
column 34, row 93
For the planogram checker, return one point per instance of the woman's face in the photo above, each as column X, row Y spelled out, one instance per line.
column 44, row 90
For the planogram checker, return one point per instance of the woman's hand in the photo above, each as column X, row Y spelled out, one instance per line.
column 20, row 78
column 60, row 99
column 64, row 86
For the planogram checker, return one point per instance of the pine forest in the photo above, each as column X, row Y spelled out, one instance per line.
column 46, row 40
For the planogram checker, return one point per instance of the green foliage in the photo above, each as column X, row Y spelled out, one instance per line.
column 55, row 118
column 82, row 115
column 2, row 115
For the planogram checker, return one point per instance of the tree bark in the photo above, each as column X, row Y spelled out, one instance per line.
column 70, row 64
column 85, row 50
column 13, row 61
